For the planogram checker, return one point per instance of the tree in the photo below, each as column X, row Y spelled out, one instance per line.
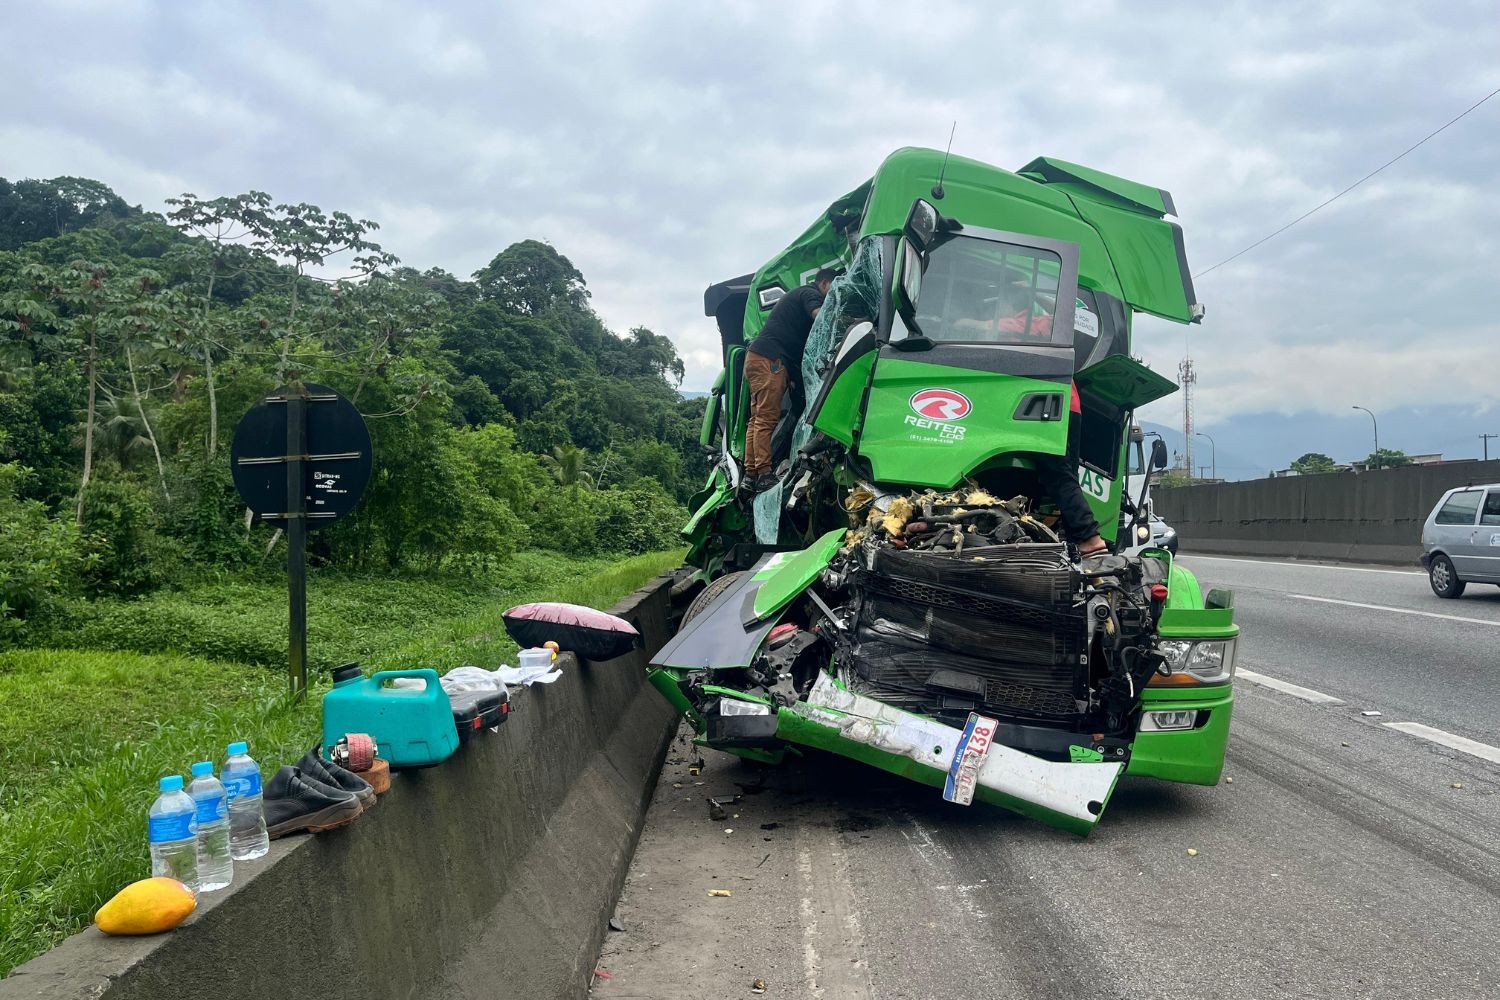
column 531, row 277
column 32, row 210
column 1386, row 458
column 567, row 465
column 1312, row 463
column 219, row 223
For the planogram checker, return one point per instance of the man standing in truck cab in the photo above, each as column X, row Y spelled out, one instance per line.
column 769, row 360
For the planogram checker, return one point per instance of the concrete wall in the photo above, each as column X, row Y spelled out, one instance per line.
column 1370, row 516
column 492, row 875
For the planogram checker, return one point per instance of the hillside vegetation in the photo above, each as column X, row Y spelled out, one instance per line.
column 505, row 416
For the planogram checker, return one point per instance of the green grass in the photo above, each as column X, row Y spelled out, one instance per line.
column 84, row 734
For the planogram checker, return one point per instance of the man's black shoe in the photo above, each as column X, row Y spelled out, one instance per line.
column 329, row 773
column 297, row 804
column 762, row 483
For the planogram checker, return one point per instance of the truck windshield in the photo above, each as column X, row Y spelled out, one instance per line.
column 983, row 291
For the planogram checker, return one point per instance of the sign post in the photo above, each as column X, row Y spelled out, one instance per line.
column 301, row 459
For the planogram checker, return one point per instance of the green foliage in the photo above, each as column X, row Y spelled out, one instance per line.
column 38, row 420
column 1312, row 463
column 1172, row 479
column 130, row 344
column 32, row 210
column 1386, row 458
column 128, row 555
column 639, row 518
column 532, row 278
column 40, row 557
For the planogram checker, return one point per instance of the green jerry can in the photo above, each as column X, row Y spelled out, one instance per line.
column 412, row 727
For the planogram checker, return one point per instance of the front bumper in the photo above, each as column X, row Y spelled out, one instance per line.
column 1193, row 756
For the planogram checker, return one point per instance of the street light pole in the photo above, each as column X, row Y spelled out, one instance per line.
column 1213, row 454
column 1376, row 455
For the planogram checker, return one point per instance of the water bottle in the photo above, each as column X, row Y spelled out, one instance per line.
column 171, row 828
column 211, row 803
column 247, row 815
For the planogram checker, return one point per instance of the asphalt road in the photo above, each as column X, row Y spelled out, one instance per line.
column 1346, row 858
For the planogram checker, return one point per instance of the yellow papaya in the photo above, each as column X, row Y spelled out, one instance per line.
column 149, row 906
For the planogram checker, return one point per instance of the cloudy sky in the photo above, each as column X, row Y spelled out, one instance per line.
column 664, row 146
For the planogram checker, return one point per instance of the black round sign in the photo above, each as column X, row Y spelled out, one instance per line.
column 335, row 456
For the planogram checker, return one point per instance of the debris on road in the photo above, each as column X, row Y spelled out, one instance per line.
column 716, row 811
column 759, row 986
column 1369, row 715
column 720, row 892
column 615, row 924
column 1192, row 852
column 1228, row 781
column 1458, row 784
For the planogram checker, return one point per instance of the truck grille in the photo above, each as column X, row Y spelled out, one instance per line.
column 1003, row 617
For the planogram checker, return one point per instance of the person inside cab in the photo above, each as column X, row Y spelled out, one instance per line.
column 770, row 360
column 1021, row 316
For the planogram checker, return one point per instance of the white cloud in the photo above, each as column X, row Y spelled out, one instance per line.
column 663, row 147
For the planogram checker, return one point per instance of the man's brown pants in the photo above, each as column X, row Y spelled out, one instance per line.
column 767, row 379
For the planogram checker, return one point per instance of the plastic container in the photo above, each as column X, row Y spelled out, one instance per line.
column 248, row 839
column 412, row 727
column 476, row 711
column 211, row 805
column 172, row 831
column 537, row 657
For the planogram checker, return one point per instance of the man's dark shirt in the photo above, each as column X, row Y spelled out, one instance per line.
column 785, row 334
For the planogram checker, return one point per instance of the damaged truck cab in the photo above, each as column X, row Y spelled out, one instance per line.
column 904, row 596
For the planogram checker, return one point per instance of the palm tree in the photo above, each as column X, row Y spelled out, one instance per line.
column 119, row 427
column 567, row 465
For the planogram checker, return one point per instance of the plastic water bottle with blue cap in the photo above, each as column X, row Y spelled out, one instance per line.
column 247, row 815
column 172, row 828
column 211, row 804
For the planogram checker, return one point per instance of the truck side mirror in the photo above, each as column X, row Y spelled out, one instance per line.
column 922, row 224
column 1158, row 454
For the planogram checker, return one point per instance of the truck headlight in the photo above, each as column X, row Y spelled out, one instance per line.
column 1142, row 533
column 734, row 706
column 1196, row 661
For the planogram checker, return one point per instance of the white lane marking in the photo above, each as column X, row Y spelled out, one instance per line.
column 1460, row 743
column 1192, row 557
column 1286, row 687
column 1398, row 611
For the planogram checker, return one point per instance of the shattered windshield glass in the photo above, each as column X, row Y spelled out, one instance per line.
column 984, row 291
column 853, row 297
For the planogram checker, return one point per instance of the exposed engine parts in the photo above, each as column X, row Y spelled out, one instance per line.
column 951, row 603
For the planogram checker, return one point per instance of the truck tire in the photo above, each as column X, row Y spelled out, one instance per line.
column 1443, row 577
column 709, row 594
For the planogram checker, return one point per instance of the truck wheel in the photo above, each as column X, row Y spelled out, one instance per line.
column 1443, row 577
column 710, row 594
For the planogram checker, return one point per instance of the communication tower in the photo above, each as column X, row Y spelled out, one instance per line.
column 1187, row 378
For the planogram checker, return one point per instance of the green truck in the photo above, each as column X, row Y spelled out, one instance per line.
column 905, row 596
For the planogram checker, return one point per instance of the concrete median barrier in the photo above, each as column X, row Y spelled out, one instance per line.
column 492, row 875
column 1366, row 517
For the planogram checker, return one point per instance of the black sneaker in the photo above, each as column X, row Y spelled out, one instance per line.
column 313, row 765
column 297, row 804
column 762, row 483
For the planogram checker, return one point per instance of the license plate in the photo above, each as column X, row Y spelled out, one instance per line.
column 968, row 758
